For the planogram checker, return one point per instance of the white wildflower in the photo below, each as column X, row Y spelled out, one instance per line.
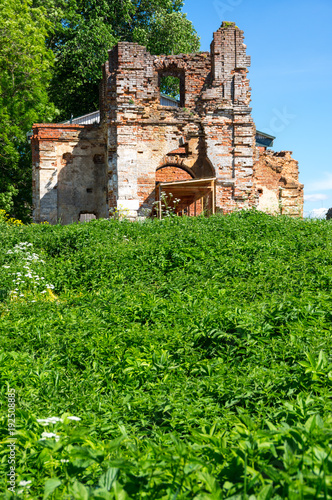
column 24, row 483
column 74, row 418
column 6, row 267
column 49, row 420
column 42, row 421
column 54, row 420
column 44, row 291
column 49, row 435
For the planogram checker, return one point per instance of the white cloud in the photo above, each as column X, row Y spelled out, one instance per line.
column 315, row 197
column 317, row 213
column 321, row 185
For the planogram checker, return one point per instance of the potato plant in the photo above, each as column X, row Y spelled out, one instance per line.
column 187, row 358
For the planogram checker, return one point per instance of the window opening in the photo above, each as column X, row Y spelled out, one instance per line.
column 170, row 86
column 171, row 89
column 86, row 217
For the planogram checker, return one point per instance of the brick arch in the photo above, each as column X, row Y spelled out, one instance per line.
column 169, row 63
column 171, row 172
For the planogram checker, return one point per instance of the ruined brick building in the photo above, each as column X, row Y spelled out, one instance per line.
column 204, row 150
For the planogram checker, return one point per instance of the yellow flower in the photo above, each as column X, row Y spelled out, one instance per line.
column 11, row 221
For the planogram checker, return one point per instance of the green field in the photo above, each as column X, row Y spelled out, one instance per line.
column 195, row 352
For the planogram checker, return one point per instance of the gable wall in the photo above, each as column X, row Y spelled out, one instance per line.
column 214, row 121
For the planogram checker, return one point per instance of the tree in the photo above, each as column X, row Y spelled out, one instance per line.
column 169, row 33
column 51, row 51
column 84, row 30
column 25, row 71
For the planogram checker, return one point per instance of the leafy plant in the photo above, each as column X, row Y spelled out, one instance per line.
column 185, row 358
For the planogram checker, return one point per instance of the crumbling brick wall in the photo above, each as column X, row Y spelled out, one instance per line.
column 140, row 142
column 277, row 184
column 69, row 172
column 214, row 122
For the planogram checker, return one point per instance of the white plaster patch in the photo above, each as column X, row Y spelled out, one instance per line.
column 268, row 201
column 127, row 204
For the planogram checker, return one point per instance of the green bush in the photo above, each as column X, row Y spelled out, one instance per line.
column 193, row 352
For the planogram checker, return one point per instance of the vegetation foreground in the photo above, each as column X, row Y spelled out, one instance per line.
column 187, row 358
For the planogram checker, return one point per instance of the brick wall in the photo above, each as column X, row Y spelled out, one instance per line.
column 171, row 174
column 213, row 121
column 69, row 172
column 278, row 188
column 139, row 141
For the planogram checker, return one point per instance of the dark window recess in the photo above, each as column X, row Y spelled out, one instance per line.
column 99, row 159
column 260, row 191
column 67, row 158
column 87, row 217
column 89, row 190
column 172, row 88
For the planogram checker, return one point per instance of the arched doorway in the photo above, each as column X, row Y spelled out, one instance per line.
column 172, row 172
column 179, row 191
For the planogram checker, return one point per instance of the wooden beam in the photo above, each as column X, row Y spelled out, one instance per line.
column 210, row 181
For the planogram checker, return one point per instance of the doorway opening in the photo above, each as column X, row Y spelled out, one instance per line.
column 186, row 198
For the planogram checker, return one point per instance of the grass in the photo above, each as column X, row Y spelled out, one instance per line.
column 195, row 352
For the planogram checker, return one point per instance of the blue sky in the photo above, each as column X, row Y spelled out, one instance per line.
column 291, row 73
